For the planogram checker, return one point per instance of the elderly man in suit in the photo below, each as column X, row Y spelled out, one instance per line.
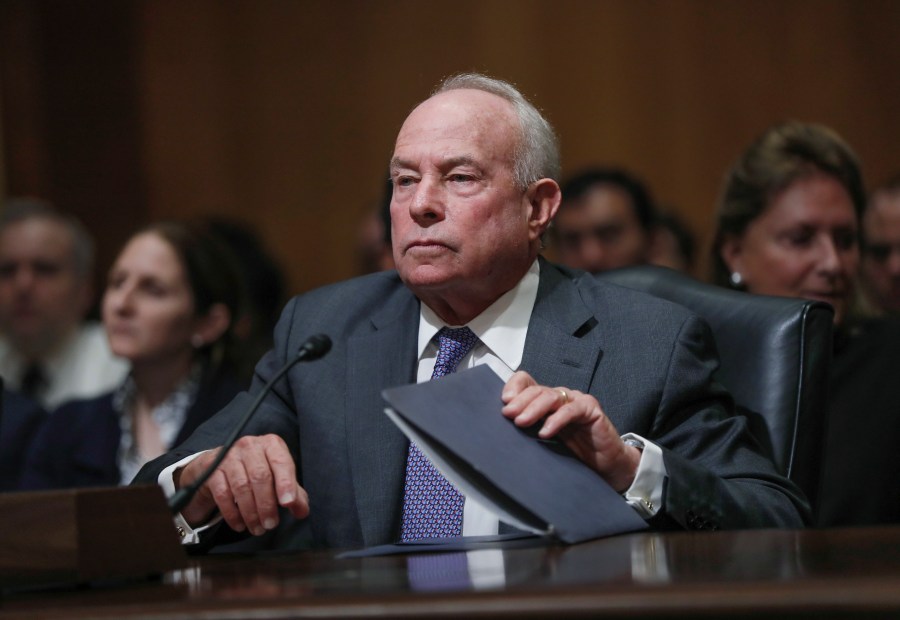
column 474, row 169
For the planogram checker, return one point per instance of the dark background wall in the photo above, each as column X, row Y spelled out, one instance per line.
column 283, row 112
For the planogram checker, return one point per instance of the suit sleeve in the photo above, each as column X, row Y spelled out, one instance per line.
column 718, row 476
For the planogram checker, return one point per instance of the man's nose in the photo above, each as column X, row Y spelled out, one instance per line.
column 23, row 279
column 594, row 254
column 427, row 203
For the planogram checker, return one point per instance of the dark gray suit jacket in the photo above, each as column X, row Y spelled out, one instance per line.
column 648, row 362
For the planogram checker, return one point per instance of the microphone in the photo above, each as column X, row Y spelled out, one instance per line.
column 315, row 347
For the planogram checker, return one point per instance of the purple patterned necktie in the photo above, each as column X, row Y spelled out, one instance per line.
column 432, row 507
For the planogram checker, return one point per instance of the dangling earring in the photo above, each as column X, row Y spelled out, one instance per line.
column 197, row 341
column 736, row 279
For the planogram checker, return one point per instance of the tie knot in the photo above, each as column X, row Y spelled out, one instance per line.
column 33, row 380
column 461, row 335
column 453, row 345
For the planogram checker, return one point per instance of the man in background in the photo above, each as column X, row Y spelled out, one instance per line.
column 674, row 245
column 881, row 248
column 606, row 220
column 47, row 351
column 374, row 236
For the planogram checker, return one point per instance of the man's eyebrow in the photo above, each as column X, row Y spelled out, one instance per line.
column 461, row 160
column 451, row 162
column 397, row 163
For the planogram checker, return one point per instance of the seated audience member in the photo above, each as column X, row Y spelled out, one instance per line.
column 673, row 245
column 168, row 306
column 606, row 220
column 788, row 224
column 263, row 292
column 374, row 242
column 473, row 171
column 47, row 350
column 20, row 420
column 881, row 249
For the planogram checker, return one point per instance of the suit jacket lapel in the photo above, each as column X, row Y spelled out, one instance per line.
column 563, row 345
column 383, row 357
column 561, row 348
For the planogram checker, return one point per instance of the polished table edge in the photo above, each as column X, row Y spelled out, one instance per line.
column 851, row 572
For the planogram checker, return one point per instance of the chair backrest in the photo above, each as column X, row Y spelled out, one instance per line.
column 774, row 355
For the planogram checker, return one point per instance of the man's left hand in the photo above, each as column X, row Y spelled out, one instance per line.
column 578, row 421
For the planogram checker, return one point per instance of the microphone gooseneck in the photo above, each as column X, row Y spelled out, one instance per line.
column 315, row 347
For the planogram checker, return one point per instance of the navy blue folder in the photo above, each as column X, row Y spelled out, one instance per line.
column 535, row 485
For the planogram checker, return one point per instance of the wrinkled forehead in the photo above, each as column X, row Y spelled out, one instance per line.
column 464, row 117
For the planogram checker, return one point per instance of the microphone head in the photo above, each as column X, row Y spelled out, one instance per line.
column 315, row 347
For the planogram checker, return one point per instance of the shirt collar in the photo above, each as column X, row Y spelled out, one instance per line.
column 502, row 327
column 51, row 364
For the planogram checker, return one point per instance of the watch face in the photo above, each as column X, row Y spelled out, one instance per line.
column 634, row 443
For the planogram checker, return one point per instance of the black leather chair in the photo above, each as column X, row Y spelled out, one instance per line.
column 775, row 354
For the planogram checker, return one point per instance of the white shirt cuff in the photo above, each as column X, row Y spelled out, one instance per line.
column 645, row 493
column 166, row 479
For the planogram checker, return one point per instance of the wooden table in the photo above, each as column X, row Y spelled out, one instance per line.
column 850, row 573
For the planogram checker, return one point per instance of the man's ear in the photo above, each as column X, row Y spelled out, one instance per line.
column 543, row 197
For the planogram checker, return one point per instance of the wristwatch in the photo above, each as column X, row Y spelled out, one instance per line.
column 634, row 443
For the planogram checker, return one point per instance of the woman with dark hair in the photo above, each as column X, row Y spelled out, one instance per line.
column 788, row 220
column 788, row 225
column 168, row 307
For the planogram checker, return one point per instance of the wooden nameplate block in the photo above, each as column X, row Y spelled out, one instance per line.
column 79, row 536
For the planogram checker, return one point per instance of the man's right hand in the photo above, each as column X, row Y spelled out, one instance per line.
column 256, row 476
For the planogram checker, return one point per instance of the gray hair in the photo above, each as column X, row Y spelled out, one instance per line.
column 20, row 209
column 537, row 154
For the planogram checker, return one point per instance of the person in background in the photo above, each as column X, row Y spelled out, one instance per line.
column 881, row 249
column 606, row 220
column 788, row 224
column 263, row 295
column 170, row 299
column 47, row 349
column 674, row 245
column 374, row 240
